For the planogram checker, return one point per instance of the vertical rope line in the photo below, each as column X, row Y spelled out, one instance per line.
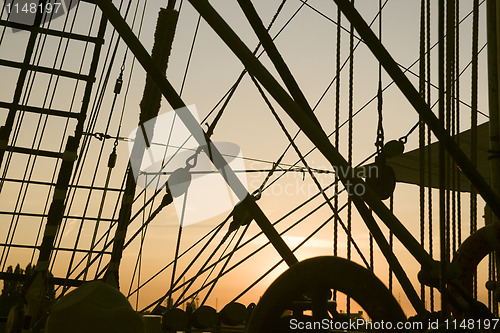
column 457, row 117
column 490, row 278
column 442, row 193
column 350, row 130
column 107, row 234
column 371, row 251
column 138, row 262
column 473, row 140
column 177, row 246
column 99, row 213
column 379, row 142
column 139, row 259
column 421, row 135
column 139, row 255
column 190, row 55
column 337, row 127
column 338, row 71
column 450, row 48
column 223, row 270
column 429, row 164
column 391, row 240
column 450, row 75
column 452, row 117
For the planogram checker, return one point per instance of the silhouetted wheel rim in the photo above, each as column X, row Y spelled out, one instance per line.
column 314, row 274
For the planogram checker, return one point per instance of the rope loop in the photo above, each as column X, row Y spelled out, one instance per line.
column 101, row 136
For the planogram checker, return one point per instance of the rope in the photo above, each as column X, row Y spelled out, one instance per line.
column 421, row 136
column 190, row 54
column 27, row 93
column 231, row 91
column 405, row 137
column 253, row 284
column 111, row 162
column 114, row 221
column 122, row 68
column 215, row 231
column 219, row 275
column 301, row 157
column 98, row 99
column 139, row 256
column 379, row 143
column 451, row 59
column 108, row 232
column 233, row 88
column 442, row 193
column 149, row 105
column 391, row 241
column 346, row 61
column 269, row 271
column 138, row 262
column 258, row 192
column 57, row 205
column 112, row 157
column 295, row 209
column 329, row 19
column 405, row 70
column 288, row 214
column 320, row 99
column 429, row 164
column 178, row 243
column 457, row 128
column 297, row 222
column 202, row 269
column 473, row 140
column 349, row 145
column 450, row 111
column 337, row 130
column 106, row 235
column 111, row 165
column 30, row 84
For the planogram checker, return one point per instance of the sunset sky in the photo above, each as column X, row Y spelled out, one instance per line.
column 308, row 45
